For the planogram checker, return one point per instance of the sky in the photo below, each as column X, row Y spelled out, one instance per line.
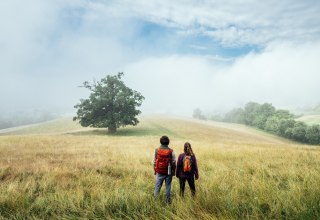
column 181, row 55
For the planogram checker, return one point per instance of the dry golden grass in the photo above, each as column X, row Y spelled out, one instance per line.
column 73, row 173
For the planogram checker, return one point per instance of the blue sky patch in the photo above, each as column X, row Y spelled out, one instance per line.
column 163, row 40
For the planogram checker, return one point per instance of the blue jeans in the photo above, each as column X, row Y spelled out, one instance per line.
column 159, row 180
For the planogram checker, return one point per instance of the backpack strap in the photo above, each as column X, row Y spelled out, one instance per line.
column 171, row 156
column 156, row 152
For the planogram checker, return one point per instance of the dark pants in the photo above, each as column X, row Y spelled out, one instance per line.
column 183, row 184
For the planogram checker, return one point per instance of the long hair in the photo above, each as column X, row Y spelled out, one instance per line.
column 187, row 149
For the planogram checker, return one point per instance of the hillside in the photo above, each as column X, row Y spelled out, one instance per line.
column 152, row 126
column 59, row 170
column 58, row 126
column 310, row 119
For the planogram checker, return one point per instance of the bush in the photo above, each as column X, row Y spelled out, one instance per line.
column 197, row 113
column 284, row 125
column 280, row 122
column 313, row 134
column 250, row 112
column 289, row 133
column 272, row 124
column 236, row 116
column 299, row 131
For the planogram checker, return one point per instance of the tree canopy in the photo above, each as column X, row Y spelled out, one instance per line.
column 277, row 121
column 111, row 104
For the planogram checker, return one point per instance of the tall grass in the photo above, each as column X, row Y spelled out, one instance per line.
column 243, row 175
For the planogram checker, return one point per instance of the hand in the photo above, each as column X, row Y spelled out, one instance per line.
column 197, row 177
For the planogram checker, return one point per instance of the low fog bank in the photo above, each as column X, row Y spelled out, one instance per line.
column 173, row 60
column 284, row 74
column 26, row 117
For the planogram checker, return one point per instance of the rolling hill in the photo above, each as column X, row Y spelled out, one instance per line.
column 310, row 119
column 60, row 170
column 150, row 125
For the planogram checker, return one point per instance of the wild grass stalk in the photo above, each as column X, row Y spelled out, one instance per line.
column 243, row 175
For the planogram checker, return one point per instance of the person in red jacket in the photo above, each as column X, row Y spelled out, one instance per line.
column 187, row 169
column 164, row 163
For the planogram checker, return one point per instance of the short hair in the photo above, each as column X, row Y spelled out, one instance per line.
column 164, row 140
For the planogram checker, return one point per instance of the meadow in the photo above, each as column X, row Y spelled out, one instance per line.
column 310, row 119
column 58, row 170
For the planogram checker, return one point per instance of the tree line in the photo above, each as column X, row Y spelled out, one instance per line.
column 267, row 117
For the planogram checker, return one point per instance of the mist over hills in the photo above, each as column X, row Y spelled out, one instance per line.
column 37, row 115
column 178, row 55
column 25, row 117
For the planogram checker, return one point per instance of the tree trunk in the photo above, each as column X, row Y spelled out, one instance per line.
column 112, row 130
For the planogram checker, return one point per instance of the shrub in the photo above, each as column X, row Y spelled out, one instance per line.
column 299, row 131
column 284, row 124
column 272, row 124
column 313, row 134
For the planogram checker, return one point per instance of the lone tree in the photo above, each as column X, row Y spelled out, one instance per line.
column 111, row 104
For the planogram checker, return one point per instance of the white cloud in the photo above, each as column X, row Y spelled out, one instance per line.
column 232, row 23
column 173, row 84
column 286, row 75
column 47, row 48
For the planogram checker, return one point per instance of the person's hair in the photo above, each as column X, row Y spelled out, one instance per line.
column 164, row 140
column 187, row 149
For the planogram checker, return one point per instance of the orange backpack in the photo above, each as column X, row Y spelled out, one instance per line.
column 187, row 164
column 163, row 159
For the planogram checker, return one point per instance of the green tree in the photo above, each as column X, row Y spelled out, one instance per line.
column 313, row 134
column 263, row 112
column 235, row 115
column 197, row 113
column 250, row 112
column 279, row 122
column 288, row 133
column 285, row 124
column 299, row 131
column 272, row 124
column 111, row 104
column 283, row 114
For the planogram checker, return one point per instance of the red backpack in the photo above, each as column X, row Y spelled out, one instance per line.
column 163, row 159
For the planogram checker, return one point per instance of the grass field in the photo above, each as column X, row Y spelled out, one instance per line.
column 310, row 119
column 59, row 170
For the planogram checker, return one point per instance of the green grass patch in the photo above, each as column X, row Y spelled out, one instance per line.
column 310, row 119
